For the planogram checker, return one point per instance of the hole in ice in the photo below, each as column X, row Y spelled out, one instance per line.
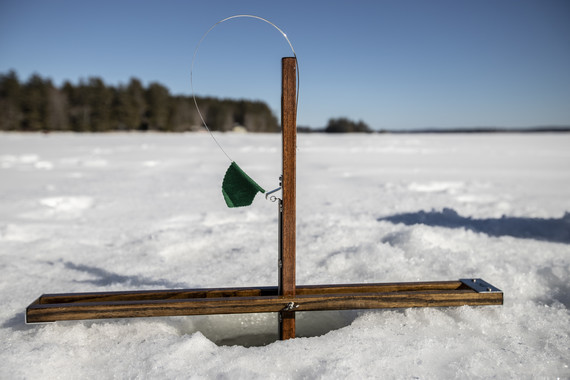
column 254, row 330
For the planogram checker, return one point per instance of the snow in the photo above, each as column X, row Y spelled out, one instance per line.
column 126, row 211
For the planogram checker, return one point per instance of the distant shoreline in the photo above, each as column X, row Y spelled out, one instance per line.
column 477, row 130
column 482, row 130
column 436, row 130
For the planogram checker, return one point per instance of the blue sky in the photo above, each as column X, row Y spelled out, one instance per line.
column 394, row 64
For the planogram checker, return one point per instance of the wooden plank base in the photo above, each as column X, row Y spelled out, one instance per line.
column 162, row 303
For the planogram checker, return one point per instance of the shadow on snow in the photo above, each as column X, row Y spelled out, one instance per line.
column 552, row 230
column 104, row 277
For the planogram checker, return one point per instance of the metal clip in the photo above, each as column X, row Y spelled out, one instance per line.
column 290, row 306
column 480, row 286
column 272, row 198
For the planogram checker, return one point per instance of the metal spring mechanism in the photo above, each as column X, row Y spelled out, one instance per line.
column 273, row 198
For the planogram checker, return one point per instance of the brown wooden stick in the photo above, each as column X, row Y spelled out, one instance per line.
column 288, row 214
column 38, row 312
column 154, row 295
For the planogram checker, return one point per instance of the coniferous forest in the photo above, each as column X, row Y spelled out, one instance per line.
column 93, row 106
column 37, row 105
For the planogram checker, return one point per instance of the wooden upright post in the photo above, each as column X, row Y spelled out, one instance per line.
column 288, row 204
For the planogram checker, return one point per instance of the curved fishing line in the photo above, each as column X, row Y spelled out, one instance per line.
column 194, row 59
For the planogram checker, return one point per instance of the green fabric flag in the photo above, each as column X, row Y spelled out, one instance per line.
column 238, row 188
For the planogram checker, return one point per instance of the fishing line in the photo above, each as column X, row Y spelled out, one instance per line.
column 194, row 59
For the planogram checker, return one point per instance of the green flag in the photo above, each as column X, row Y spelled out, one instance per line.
column 238, row 188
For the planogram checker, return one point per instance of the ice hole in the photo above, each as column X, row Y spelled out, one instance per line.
column 261, row 329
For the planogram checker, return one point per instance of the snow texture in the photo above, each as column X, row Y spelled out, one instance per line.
column 145, row 211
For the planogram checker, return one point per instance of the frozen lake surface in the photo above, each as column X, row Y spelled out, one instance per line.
column 82, row 213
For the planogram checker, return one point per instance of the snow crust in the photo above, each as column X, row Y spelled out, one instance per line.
column 113, row 212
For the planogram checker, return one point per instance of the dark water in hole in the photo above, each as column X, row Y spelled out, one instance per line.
column 254, row 330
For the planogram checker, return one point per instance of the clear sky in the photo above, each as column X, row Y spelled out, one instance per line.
column 394, row 64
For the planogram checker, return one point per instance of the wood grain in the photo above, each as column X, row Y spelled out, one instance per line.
column 149, row 295
column 288, row 183
column 38, row 312
column 142, row 295
column 289, row 139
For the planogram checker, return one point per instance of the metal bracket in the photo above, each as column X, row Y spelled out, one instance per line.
column 272, row 198
column 479, row 285
column 290, row 306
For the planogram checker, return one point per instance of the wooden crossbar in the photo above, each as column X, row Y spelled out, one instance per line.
column 160, row 303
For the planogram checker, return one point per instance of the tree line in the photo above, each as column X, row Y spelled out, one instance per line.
column 93, row 106
column 345, row 125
